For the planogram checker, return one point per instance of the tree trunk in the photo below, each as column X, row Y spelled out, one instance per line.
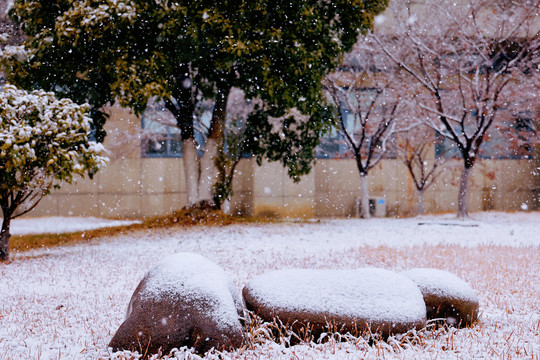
column 463, row 210
column 4, row 239
column 209, row 171
column 364, row 197
column 226, row 207
column 191, row 170
column 202, row 174
column 420, row 203
column 214, row 144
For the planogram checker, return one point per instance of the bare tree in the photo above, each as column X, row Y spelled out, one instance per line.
column 471, row 64
column 365, row 120
column 415, row 150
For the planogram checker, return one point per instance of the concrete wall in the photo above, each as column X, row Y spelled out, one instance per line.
column 495, row 185
column 130, row 186
column 276, row 195
column 330, row 190
column 134, row 187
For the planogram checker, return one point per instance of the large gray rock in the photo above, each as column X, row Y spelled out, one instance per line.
column 447, row 297
column 185, row 300
column 352, row 301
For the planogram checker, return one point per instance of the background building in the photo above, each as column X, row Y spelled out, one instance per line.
column 137, row 184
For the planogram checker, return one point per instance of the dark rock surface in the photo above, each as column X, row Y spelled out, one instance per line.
column 353, row 301
column 185, row 300
column 447, row 297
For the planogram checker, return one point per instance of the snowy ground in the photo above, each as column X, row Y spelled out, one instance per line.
column 57, row 225
column 67, row 302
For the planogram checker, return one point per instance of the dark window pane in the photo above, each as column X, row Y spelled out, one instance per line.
column 155, row 147
column 160, row 139
column 175, row 145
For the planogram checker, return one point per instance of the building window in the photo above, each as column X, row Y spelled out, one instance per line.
column 332, row 148
column 160, row 135
column 333, row 145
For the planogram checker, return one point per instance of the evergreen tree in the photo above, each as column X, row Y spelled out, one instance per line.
column 43, row 142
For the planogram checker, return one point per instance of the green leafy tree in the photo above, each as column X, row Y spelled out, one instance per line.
column 43, row 142
column 185, row 52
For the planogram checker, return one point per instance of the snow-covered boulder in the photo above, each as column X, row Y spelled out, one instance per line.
column 185, row 300
column 447, row 296
column 353, row 301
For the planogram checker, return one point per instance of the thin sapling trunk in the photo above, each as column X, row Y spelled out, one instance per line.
column 463, row 210
column 414, row 153
column 420, row 202
column 4, row 238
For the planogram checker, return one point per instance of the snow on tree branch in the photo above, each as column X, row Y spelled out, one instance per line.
column 43, row 142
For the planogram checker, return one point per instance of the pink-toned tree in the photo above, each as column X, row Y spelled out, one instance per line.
column 471, row 65
column 366, row 122
column 415, row 149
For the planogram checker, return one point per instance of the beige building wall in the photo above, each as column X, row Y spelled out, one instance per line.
column 135, row 187
column 332, row 187
column 276, row 195
column 131, row 186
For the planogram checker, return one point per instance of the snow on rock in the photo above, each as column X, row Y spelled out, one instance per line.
column 353, row 300
column 447, row 296
column 185, row 300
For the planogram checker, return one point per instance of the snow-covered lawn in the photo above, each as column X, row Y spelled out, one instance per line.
column 57, row 225
column 67, row 302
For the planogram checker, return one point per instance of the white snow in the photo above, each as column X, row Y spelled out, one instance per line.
column 197, row 280
column 441, row 283
column 375, row 295
column 60, row 224
column 67, row 302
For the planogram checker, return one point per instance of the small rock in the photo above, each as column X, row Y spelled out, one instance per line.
column 447, row 297
column 185, row 300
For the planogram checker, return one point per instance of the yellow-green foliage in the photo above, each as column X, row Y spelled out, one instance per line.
column 43, row 141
